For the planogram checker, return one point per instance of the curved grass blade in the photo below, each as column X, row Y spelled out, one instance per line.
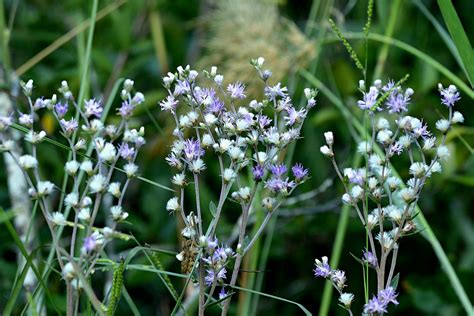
column 307, row 312
column 459, row 37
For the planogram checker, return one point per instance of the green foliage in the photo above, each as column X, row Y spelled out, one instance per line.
column 116, row 288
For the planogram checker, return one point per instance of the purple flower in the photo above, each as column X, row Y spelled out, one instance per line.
column 192, row 149
column 355, row 176
column 169, row 104
column 61, row 109
column 294, row 116
column 25, row 119
column 396, row 148
column 215, row 107
column 257, row 172
column 263, row 121
column 223, row 293
column 69, row 126
column 277, row 185
column 39, row 104
column 388, row 296
column 374, row 305
column 126, row 152
column 236, row 90
column 397, row 101
column 278, row 170
column 205, row 96
column 181, row 88
column 322, row 269
column 126, row 109
column 422, row 131
column 276, row 91
column 5, row 122
column 369, row 257
column 212, row 276
column 369, row 100
column 299, row 171
column 90, row 243
column 93, row 108
column 449, row 96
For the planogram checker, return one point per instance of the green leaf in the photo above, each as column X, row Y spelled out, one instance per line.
column 212, row 209
column 395, row 280
column 459, row 37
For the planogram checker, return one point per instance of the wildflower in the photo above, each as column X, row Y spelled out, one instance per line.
column 108, row 152
column 215, row 276
column 130, row 169
column 223, row 293
column 87, row 167
column 58, row 219
column 84, row 214
column 97, row 183
column 369, row 100
column 374, row 305
column 276, row 91
column 339, row 278
column 72, row 200
column 61, row 109
column 25, row 119
column 369, row 257
column 34, row 137
column 346, row 299
column 27, row 162
column 192, row 150
column 126, row 152
column 126, row 109
column 114, row 189
column 443, row 152
column 236, row 90
column 397, row 100
column 93, row 108
column 299, row 171
column 322, row 268
column 294, row 116
column 364, row 148
column 257, row 172
column 326, row 151
column 68, row 271
column 117, row 213
column 172, row 205
column 69, row 126
column 5, row 122
column 179, row 179
column 388, row 295
column 457, row 118
column 71, row 167
column 449, row 95
column 229, row 175
column 44, row 188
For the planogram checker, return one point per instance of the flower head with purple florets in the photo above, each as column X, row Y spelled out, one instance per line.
column 61, row 109
column 126, row 152
column 299, row 171
column 126, row 109
column 93, row 108
column 236, row 90
column 192, row 149
column 322, row 270
column 449, row 95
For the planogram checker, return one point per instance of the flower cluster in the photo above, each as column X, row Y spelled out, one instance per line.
column 385, row 203
column 218, row 123
column 96, row 151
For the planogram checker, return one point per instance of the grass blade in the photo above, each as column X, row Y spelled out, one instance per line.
column 459, row 37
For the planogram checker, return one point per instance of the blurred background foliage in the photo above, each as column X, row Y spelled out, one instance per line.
column 144, row 39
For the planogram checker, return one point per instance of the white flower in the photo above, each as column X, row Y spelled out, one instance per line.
column 242, row 125
column 114, row 189
column 86, row 201
column 435, row 168
column 7, row 145
column 224, row 145
column 72, row 167
column 329, row 138
column 457, row 118
column 429, row 143
column 382, row 124
column 244, row 193
column 58, row 219
column 179, row 179
column 443, row 152
column 235, row 153
column 393, row 183
column 27, row 162
column 229, row 175
column 68, row 271
column 405, row 141
column 443, row 125
column 272, row 137
column 218, row 79
column 346, row 299
column 210, row 119
column 326, row 151
column 394, row 213
column 206, row 140
column 407, row 194
column 84, row 214
column 357, row 192
column 107, row 232
column 418, row 169
column 193, row 117
column 346, row 198
column 34, row 137
column 81, row 144
column 197, row 165
column 372, row 220
column 364, row 148
column 87, row 167
column 260, row 157
column 117, row 213
column 72, row 200
column 172, row 205
column 384, row 136
column 45, row 188
column 97, row 183
column 184, row 121
column 385, row 240
column 373, row 182
column 130, row 169
column 108, row 152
